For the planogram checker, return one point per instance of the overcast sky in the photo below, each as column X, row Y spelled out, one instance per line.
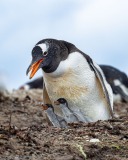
column 97, row 27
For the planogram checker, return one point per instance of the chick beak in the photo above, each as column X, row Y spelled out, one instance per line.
column 45, row 107
column 33, row 68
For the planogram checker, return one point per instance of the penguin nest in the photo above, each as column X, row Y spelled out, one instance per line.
column 25, row 134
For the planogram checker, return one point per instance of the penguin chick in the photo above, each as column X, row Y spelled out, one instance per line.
column 56, row 120
column 68, row 114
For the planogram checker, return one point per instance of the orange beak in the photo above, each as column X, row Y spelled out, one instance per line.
column 34, row 68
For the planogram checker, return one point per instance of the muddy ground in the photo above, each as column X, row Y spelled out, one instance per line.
column 25, row 134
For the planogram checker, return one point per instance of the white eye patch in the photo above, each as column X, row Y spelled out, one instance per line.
column 43, row 46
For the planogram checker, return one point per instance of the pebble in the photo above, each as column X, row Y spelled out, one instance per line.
column 94, row 140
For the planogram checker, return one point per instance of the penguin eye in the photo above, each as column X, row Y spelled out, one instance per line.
column 62, row 101
column 45, row 53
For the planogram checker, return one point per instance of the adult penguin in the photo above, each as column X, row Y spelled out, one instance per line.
column 73, row 75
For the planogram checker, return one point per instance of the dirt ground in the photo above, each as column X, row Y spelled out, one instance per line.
column 25, row 134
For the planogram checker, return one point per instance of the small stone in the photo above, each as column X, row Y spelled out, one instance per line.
column 16, row 158
column 94, row 140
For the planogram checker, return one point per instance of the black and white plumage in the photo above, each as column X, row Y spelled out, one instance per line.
column 73, row 75
column 35, row 84
column 118, row 81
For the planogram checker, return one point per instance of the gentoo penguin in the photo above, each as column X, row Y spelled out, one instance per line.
column 118, row 81
column 35, row 84
column 73, row 75
column 67, row 113
column 56, row 120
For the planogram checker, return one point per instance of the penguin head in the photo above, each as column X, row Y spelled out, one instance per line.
column 61, row 101
column 47, row 54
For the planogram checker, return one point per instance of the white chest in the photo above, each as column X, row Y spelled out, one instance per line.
column 72, row 79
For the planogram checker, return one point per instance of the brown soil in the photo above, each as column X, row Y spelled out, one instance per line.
column 25, row 134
